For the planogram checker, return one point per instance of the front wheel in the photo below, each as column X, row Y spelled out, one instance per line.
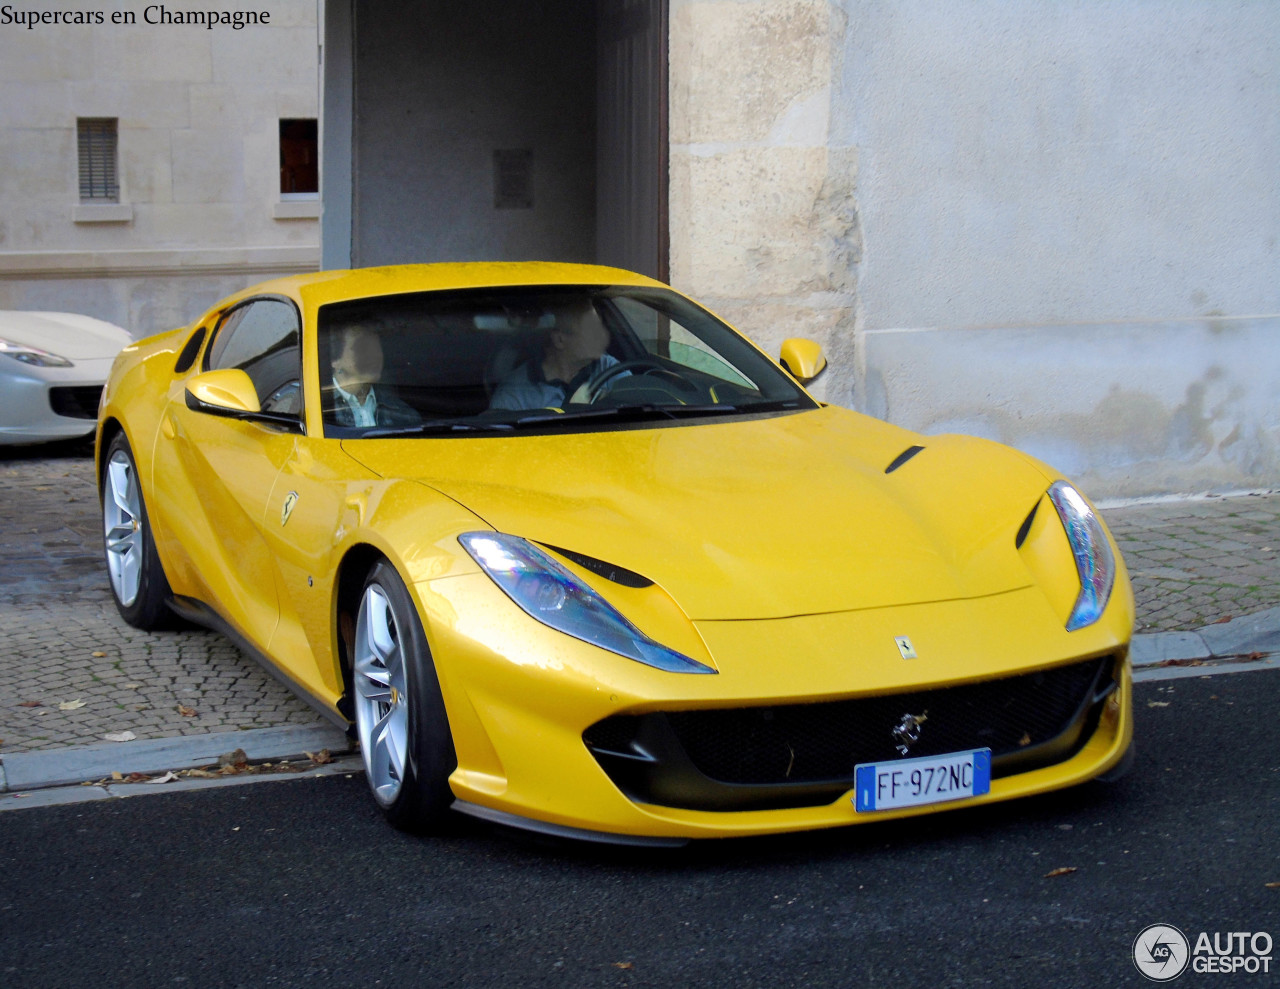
column 138, row 583
column 400, row 718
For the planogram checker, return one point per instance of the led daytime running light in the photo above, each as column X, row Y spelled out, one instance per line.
column 1095, row 562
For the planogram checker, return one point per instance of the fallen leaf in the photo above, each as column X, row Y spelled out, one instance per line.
column 1253, row 657
column 1025, row 740
column 99, row 655
column 117, row 776
column 235, row 758
column 120, row 736
column 137, row 778
column 320, row 758
column 1183, row 662
column 1272, row 885
column 1221, row 621
column 186, row 712
column 74, row 705
column 1064, row 871
column 201, row 774
column 166, row 778
column 31, row 704
column 1157, row 703
column 624, row 965
column 132, row 686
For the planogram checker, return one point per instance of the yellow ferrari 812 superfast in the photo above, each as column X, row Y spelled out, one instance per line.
column 565, row 551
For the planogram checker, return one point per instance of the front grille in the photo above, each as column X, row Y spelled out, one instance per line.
column 75, row 401
column 801, row 754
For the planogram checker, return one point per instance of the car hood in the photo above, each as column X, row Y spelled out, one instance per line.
column 764, row 518
column 68, row 335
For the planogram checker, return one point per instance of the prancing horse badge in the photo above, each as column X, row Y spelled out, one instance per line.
column 905, row 647
column 290, row 500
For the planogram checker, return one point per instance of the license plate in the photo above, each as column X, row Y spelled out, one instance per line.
column 929, row 780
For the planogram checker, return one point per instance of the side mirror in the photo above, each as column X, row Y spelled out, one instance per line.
column 228, row 392
column 803, row 359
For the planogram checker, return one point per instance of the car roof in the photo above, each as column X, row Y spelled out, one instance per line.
column 322, row 287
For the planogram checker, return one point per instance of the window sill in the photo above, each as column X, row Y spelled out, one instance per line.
column 102, row 213
column 305, row 209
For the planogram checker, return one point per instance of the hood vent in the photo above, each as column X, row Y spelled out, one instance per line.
column 619, row 575
column 1025, row 528
column 902, row 458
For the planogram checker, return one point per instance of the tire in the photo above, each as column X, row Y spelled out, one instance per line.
column 401, row 724
column 138, row 584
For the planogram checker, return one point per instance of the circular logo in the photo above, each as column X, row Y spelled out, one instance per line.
column 1161, row 952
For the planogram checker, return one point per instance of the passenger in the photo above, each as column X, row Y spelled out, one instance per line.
column 361, row 397
column 573, row 355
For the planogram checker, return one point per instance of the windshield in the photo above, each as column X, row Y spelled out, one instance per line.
column 542, row 359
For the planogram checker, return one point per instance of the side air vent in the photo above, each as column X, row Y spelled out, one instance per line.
column 189, row 352
column 1025, row 528
column 902, row 458
column 619, row 575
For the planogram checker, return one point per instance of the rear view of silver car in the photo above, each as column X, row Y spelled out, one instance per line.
column 52, row 368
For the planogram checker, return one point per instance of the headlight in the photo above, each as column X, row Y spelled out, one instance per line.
column 32, row 355
column 549, row 593
column 1095, row 562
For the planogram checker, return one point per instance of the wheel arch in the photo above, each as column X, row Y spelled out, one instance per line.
column 352, row 571
column 111, row 428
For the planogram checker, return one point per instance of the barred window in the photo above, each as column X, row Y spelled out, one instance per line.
column 97, row 139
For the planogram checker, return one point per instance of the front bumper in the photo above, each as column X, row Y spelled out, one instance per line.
column 520, row 699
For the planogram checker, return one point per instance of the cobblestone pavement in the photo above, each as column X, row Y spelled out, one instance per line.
column 69, row 656
column 1201, row 561
column 72, row 672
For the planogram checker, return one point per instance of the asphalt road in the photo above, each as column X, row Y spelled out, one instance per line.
column 300, row 883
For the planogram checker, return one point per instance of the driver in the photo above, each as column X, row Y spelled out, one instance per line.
column 573, row 355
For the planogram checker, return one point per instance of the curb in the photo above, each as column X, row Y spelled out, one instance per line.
column 1257, row 633
column 71, row 766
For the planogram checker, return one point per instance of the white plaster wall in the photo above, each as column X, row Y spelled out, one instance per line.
column 1052, row 223
column 1048, row 162
column 198, row 115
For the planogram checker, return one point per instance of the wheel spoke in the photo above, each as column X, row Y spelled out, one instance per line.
column 121, row 539
column 121, row 478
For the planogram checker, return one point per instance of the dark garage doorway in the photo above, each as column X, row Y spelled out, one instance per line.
column 509, row 130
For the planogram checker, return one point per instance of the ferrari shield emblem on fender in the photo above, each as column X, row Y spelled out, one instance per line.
column 290, row 500
column 905, row 647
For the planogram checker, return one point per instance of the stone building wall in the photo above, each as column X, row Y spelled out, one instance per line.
column 200, row 211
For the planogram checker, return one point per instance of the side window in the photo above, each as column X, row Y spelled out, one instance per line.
column 261, row 338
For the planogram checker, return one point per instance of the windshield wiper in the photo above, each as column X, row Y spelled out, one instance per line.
column 626, row 413
column 646, row 412
column 436, row 427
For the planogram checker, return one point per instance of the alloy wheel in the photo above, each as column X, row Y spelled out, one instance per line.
column 122, row 525
column 381, row 702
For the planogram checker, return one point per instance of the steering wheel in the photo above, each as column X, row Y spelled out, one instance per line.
column 594, row 389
